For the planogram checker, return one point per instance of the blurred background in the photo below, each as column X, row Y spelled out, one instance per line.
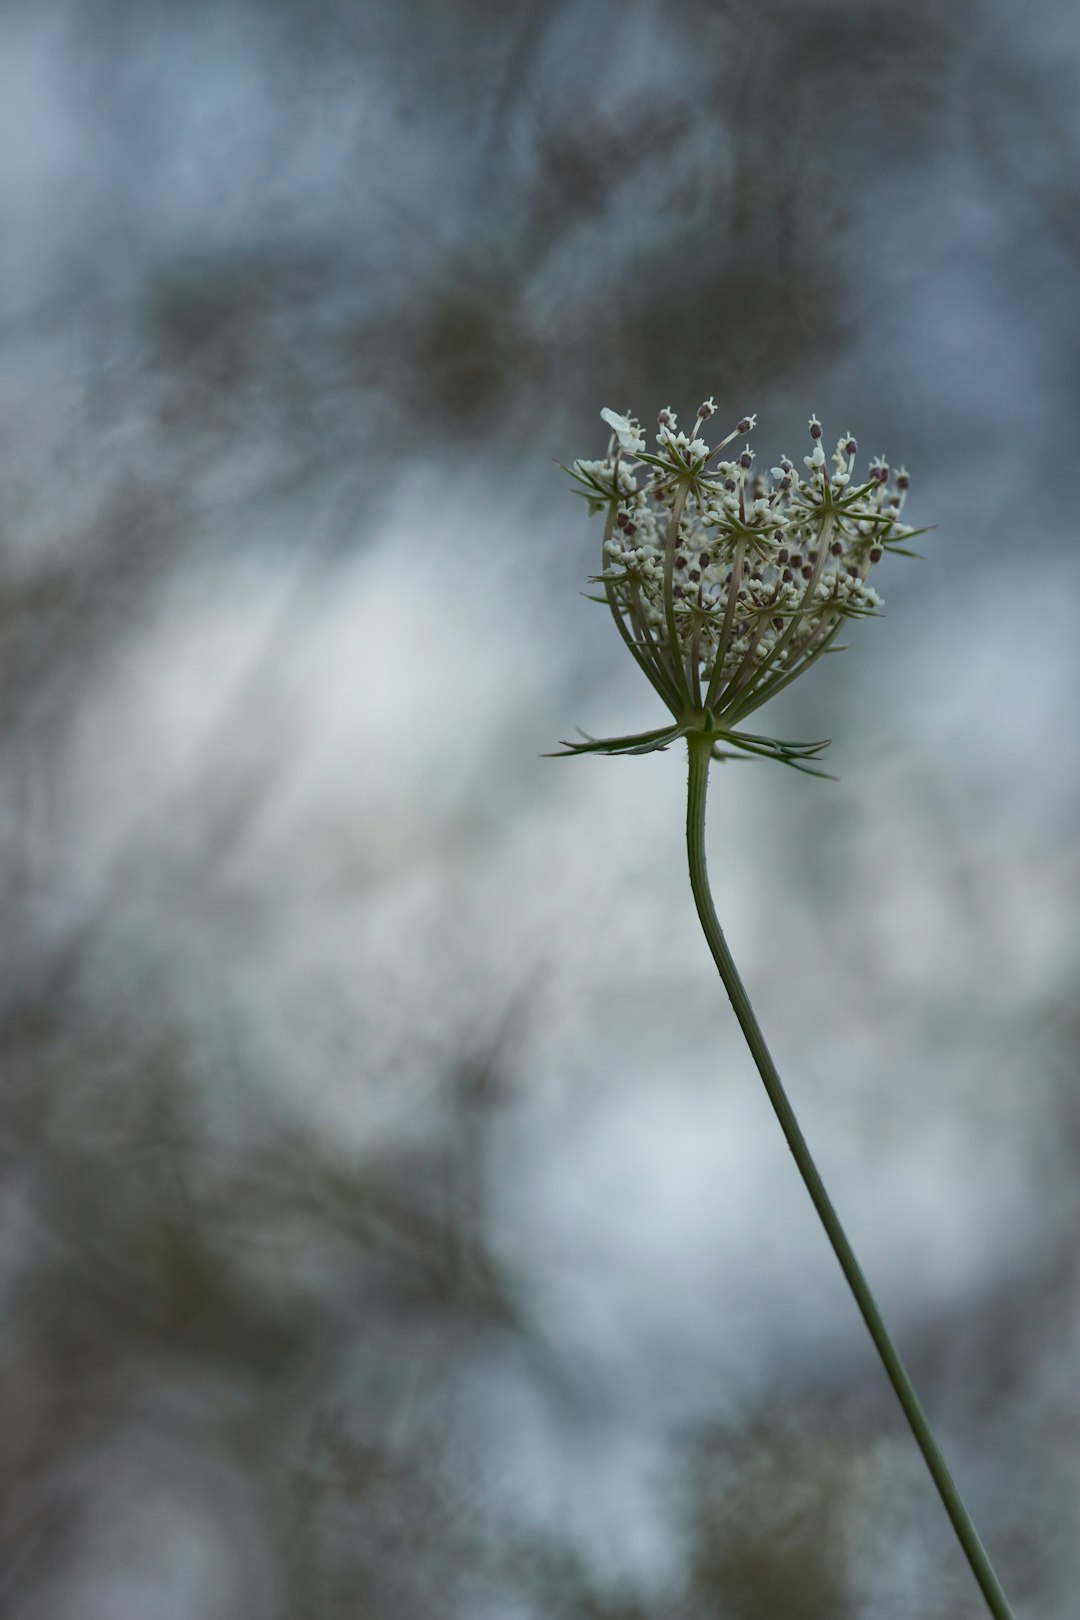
column 393, row 1225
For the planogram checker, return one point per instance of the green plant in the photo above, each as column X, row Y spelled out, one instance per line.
column 725, row 585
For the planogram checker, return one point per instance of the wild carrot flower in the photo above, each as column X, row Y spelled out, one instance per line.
column 726, row 581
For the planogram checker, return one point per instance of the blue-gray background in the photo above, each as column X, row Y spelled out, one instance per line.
column 392, row 1223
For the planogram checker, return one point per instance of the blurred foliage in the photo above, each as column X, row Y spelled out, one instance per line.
column 254, row 1362
column 771, row 1515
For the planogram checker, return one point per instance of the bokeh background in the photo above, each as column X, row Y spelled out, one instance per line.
column 392, row 1223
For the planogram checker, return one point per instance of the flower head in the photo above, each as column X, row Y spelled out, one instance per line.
column 725, row 581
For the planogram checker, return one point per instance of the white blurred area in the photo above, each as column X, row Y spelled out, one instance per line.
column 406, row 876
column 394, row 1223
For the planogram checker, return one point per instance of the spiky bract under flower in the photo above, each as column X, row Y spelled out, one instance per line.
column 726, row 582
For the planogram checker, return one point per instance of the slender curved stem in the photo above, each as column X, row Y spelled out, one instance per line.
column 700, row 745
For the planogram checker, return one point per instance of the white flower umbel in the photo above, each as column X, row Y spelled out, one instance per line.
column 726, row 583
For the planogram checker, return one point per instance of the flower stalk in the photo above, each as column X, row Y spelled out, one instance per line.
column 700, row 749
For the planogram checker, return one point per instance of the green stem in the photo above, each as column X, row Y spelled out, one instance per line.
column 700, row 746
